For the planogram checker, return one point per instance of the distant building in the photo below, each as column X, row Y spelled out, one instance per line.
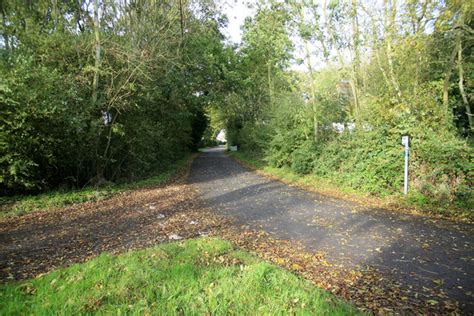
column 221, row 136
column 341, row 127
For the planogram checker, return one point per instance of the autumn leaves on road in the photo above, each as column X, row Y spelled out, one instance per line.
column 368, row 257
column 381, row 260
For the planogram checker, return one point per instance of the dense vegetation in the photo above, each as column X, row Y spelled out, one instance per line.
column 94, row 91
column 373, row 71
column 99, row 91
column 201, row 276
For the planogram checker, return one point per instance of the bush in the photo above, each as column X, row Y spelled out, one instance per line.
column 363, row 161
column 442, row 169
column 302, row 158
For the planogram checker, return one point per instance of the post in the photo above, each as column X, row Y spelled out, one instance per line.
column 405, row 142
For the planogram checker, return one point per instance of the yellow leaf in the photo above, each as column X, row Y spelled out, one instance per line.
column 279, row 261
column 296, row 266
column 438, row 281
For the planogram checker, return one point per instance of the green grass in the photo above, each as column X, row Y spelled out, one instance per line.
column 23, row 204
column 203, row 276
column 253, row 160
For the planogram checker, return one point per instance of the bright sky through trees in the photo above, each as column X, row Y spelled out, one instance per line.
column 236, row 12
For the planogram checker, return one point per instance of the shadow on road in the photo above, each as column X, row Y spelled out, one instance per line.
column 432, row 259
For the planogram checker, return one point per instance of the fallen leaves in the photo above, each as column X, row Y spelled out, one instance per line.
column 38, row 243
column 438, row 282
column 364, row 286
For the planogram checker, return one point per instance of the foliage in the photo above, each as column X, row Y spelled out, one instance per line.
column 117, row 97
column 382, row 73
column 89, row 99
column 202, row 276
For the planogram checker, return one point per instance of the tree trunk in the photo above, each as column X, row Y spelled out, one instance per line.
column 319, row 30
column 95, row 80
column 356, row 62
column 181, row 17
column 269, row 75
column 5, row 32
column 447, row 78
column 389, row 26
column 311, row 76
column 377, row 50
column 461, row 82
column 351, row 78
column 313, row 93
column 331, row 35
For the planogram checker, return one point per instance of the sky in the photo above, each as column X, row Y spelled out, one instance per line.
column 236, row 11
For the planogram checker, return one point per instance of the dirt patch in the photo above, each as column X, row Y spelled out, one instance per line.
column 40, row 242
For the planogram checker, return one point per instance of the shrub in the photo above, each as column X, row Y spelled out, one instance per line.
column 303, row 157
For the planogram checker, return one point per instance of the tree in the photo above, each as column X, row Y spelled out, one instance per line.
column 97, row 91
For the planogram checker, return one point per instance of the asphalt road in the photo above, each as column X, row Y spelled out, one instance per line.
column 417, row 252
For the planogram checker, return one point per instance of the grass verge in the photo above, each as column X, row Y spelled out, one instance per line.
column 198, row 276
column 409, row 204
column 24, row 204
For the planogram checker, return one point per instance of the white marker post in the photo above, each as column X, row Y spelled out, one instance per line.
column 405, row 184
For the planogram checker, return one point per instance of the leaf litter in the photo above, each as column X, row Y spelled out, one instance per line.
column 36, row 243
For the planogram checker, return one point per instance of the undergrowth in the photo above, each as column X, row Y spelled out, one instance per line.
column 24, row 204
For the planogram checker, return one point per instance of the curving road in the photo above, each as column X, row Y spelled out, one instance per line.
column 417, row 252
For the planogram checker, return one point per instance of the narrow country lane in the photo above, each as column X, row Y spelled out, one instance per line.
column 418, row 253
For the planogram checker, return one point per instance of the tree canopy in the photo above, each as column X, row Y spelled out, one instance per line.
column 345, row 80
column 95, row 91
column 110, row 90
